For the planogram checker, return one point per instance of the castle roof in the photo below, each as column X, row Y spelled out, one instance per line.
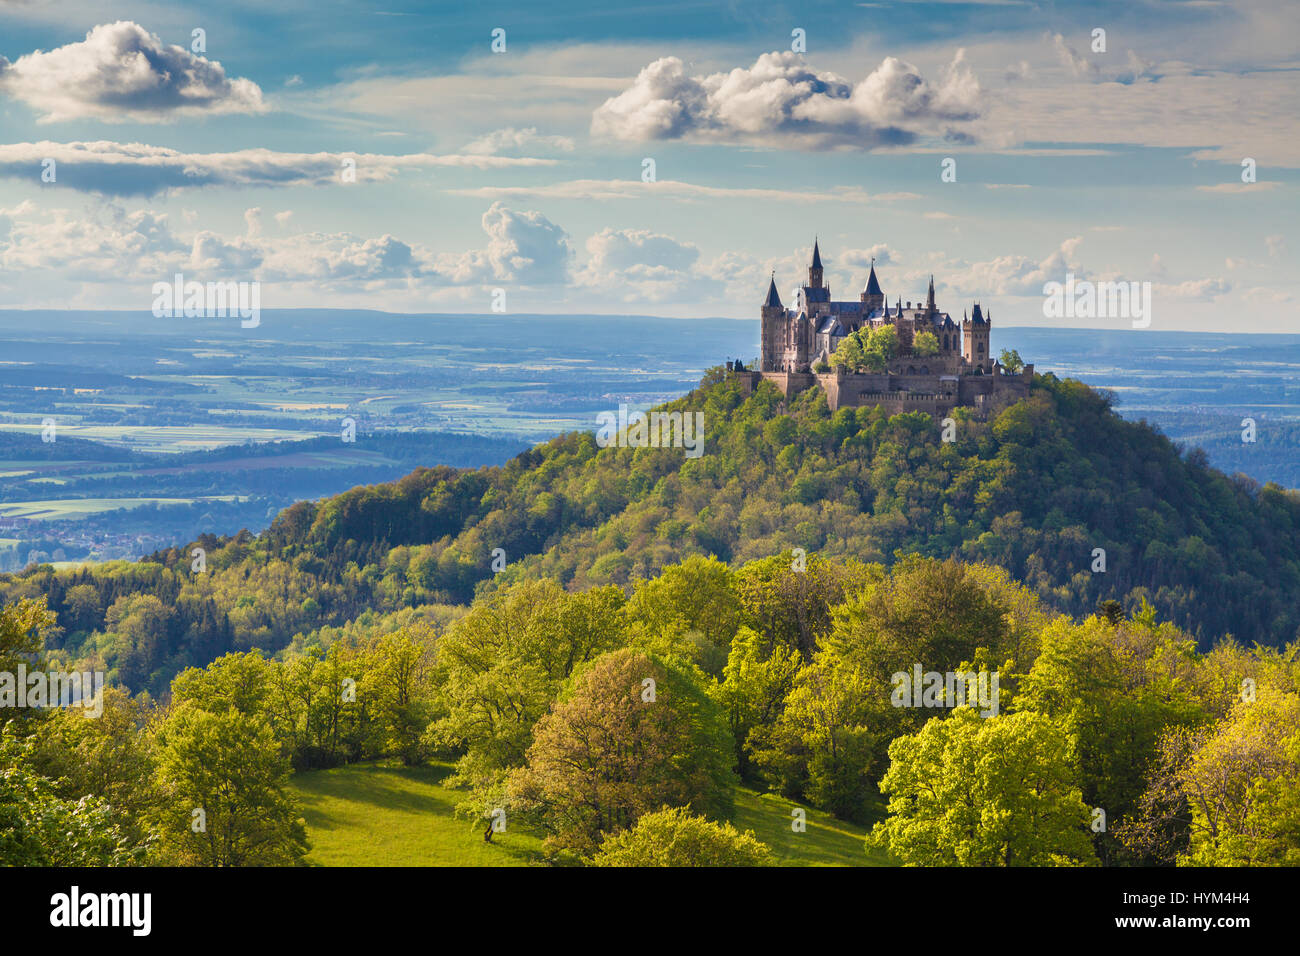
column 816, row 295
column 976, row 315
column 773, row 298
column 831, row 326
column 873, row 284
column 817, row 256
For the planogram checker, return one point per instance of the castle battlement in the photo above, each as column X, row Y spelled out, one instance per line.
column 797, row 345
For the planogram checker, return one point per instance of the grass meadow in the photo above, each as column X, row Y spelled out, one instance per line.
column 383, row 814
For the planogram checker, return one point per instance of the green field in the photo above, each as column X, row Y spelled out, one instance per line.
column 386, row 815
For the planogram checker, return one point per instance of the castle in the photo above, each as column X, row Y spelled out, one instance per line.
column 797, row 345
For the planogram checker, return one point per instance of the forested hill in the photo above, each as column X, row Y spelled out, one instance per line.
column 1037, row 489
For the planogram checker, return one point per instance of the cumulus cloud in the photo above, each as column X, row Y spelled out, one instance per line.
column 523, row 247
column 106, row 244
column 1017, row 275
column 781, row 101
column 342, row 258
column 121, row 72
column 637, row 265
column 137, row 169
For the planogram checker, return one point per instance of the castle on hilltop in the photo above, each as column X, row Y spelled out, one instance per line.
column 931, row 375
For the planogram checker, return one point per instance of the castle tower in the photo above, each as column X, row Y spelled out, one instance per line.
column 772, row 328
column 905, row 327
column 802, row 343
column 872, row 297
column 815, row 270
column 975, row 341
column 930, row 308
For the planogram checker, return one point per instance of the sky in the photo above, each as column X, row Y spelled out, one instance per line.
column 653, row 158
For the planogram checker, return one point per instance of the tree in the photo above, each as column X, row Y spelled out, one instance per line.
column 942, row 615
column 107, row 758
column 23, row 625
column 690, row 609
column 1115, row 688
column 677, row 837
column 882, row 345
column 37, row 828
column 984, row 791
column 223, row 797
column 925, row 344
column 1011, row 361
column 1226, row 795
column 756, row 681
column 823, row 746
column 502, row 664
column 398, row 679
column 791, row 605
column 615, row 747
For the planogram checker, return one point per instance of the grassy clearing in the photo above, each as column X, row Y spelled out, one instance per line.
column 379, row 815
column 387, row 815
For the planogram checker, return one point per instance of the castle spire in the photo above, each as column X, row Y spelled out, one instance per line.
column 817, row 255
column 873, row 284
column 773, row 297
column 929, row 299
column 815, row 272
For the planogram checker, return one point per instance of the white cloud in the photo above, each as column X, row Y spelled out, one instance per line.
column 511, row 138
column 122, row 72
column 523, row 247
column 137, row 169
column 1206, row 289
column 780, row 101
column 599, row 190
column 1017, row 275
column 97, row 245
column 880, row 254
column 636, row 265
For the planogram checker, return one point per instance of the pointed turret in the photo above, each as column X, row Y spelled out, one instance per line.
column 872, row 297
column 773, row 328
column 873, row 284
column 815, row 270
column 929, row 298
column 773, row 297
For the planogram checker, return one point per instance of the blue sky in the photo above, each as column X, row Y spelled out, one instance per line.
column 522, row 170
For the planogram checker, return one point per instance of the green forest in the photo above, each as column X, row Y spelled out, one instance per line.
column 628, row 657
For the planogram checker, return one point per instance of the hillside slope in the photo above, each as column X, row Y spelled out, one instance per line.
column 1037, row 489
